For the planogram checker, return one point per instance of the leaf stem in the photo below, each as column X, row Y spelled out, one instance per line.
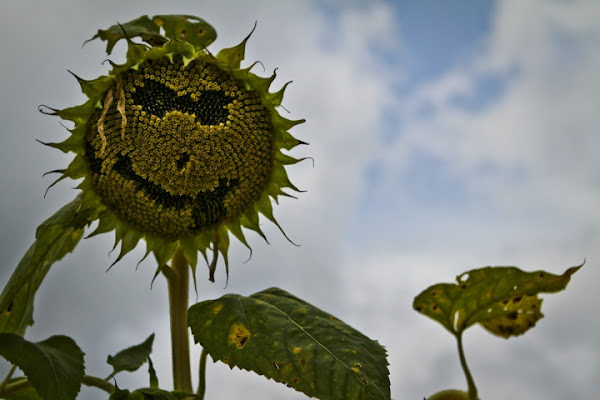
column 87, row 380
column 202, row 373
column 14, row 386
column 178, row 279
column 99, row 383
column 463, row 363
column 8, row 376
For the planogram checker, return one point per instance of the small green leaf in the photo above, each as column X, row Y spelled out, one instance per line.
column 503, row 299
column 131, row 358
column 188, row 28
column 56, row 237
column 54, row 367
column 288, row 340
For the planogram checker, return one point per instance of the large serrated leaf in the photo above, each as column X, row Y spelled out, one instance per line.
column 288, row 340
column 56, row 237
column 54, row 367
column 503, row 299
column 131, row 358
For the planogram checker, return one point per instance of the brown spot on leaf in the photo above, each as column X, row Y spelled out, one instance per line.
column 239, row 335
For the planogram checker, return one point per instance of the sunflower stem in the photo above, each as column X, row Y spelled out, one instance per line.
column 179, row 280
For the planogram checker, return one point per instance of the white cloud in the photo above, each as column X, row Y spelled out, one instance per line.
column 527, row 161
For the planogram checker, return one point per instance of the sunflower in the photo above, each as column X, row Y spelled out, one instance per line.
column 177, row 146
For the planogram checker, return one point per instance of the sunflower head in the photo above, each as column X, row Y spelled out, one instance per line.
column 177, row 146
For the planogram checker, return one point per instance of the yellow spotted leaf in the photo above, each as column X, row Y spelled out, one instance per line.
column 290, row 341
column 503, row 299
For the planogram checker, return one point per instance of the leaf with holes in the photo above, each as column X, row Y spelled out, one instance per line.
column 54, row 367
column 288, row 340
column 503, row 299
column 195, row 30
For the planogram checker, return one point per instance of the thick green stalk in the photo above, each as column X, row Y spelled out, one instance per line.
column 463, row 363
column 178, row 278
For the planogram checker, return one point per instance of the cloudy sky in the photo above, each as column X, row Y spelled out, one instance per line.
column 446, row 136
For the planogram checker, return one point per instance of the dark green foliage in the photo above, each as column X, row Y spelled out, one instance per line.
column 54, row 367
column 288, row 340
column 131, row 358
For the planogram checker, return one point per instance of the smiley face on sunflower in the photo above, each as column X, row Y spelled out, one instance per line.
column 177, row 146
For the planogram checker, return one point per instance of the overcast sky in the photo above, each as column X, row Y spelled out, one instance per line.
column 446, row 136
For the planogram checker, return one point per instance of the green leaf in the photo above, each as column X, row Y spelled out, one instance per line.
column 503, row 299
column 143, row 27
column 188, row 28
column 56, row 237
column 131, row 358
column 54, row 367
column 288, row 340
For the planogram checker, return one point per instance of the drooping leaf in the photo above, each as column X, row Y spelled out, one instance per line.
column 56, row 237
column 131, row 358
column 503, row 299
column 54, row 367
column 288, row 340
column 525, row 311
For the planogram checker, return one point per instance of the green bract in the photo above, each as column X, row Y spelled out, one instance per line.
column 176, row 145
